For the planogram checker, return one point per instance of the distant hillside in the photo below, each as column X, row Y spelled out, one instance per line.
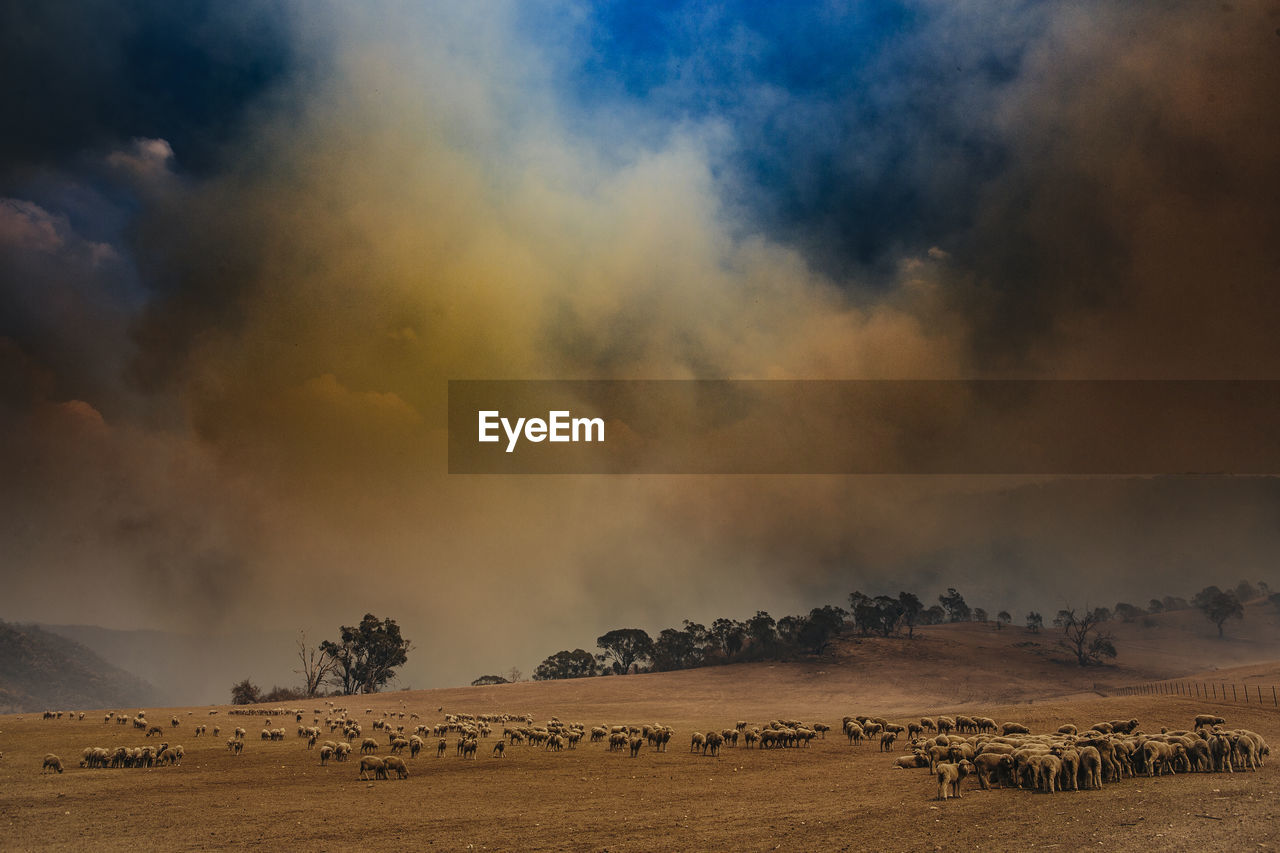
column 189, row 669
column 41, row 671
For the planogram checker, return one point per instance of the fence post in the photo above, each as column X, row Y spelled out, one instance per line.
column 1246, row 694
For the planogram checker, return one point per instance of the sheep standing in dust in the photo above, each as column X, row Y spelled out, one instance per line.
column 441, row 747
column 1014, row 729
column 635, row 744
column 1220, row 750
column 886, row 741
column 1208, row 721
column 1047, row 769
column 376, row 765
column 368, row 745
column 397, row 765
column 992, row 764
column 51, row 762
column 714, row 742
column 342, row 751
column 325, row 753
column 469, row 747
column 698, row 742
column 950, row 776
column 499, row 748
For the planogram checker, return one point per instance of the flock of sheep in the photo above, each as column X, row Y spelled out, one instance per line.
column 952, row 749
column 1068, row 759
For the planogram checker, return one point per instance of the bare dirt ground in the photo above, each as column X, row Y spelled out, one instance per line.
column 831, row 796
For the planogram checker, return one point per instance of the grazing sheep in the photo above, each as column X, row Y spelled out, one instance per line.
column 469, row 748
column 397, row 764
column 1014, row 729
column 326, row 752
column 1047, row 770
column 1157, row 757
column 375, row 764
column 155, row 730
column 1124, row 726
column 1209, row 721
column 397, row 745
column 714, row 741
column 1068, row 776
column 1220, row 749
column 51, row 762
column 698, row 742
column 886, row 741
column 499, row 748
column 992, row 764
column 368, row 745
column 949, row 778
column 635, row 744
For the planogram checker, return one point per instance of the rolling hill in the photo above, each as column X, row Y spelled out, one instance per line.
column 40, row 670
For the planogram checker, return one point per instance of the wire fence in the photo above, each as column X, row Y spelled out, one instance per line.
column 1219, row 691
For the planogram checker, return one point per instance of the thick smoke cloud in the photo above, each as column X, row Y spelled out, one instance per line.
column 224, row 378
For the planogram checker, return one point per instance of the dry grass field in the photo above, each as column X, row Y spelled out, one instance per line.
column 830, row 796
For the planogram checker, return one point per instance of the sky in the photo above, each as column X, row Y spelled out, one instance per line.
column 243, row 248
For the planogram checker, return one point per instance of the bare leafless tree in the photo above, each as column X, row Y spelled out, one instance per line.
column 1084, row 636
column 316, row 665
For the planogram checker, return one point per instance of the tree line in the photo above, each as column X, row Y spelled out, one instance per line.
column 1084, row 633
